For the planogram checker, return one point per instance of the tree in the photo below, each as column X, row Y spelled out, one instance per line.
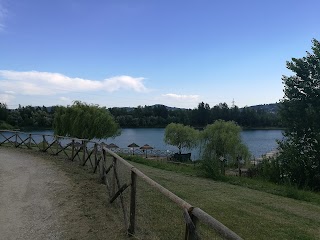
column 180, row 136
column 221, row 141
column 202, row 114
column 3, row 112
column 84, row 121
column 300, row 151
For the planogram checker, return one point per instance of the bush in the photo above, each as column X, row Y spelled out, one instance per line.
column 5, row 126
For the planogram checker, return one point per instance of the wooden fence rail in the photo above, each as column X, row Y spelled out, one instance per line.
column 96, row 154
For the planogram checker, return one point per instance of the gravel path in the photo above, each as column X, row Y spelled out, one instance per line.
column 43, row 198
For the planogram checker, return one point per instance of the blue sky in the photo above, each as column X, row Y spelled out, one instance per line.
column 144, row 52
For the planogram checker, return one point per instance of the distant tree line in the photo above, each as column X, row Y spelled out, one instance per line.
column 147, row 116
column 161, row 116
column 26, row 117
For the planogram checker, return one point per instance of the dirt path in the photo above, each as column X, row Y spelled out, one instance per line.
column 43, row 198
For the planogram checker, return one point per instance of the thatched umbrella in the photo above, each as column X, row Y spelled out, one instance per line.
column 112, row 145
column 133, row 145
column 146, row 147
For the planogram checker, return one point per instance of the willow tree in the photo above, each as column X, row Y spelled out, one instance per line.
column 84, row 121
column 221, row 141
column 300, row 113
column 181, row 136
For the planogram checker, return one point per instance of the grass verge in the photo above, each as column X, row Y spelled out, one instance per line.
column 251, row 183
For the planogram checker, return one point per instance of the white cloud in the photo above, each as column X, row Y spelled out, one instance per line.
column 182, row 97
column 6, row 98
column 64, row 99
column 46, row 83
column 126, row 82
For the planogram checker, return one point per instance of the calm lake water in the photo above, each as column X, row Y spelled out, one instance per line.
column 259, row 142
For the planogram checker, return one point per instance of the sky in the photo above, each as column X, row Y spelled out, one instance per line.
column 125, row 53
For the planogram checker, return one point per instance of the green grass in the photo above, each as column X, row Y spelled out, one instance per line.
column 276, row 189
column 250, row 213
column 251, row 183
column 188, row 169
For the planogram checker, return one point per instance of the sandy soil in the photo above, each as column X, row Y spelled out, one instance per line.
column 44, row 197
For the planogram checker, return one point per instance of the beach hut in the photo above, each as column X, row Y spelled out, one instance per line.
column 133, row 145
column 146, row 147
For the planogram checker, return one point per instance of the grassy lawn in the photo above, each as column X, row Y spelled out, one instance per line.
column 250, row 213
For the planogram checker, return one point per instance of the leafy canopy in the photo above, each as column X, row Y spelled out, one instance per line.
column 300, row 113
column 180, row 136
column 84, row 121
column 221, row 141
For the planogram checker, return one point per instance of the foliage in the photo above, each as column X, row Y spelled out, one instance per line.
column 84, row 121
column 5, row 126
column 268, row 169
column 30, row 117
column 300, row 151
column 150, row 116
column 181, row 136
column 160, row 116
column 3, row 112
column 221, row 141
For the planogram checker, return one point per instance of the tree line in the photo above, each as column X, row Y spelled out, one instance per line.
column 26, row 117
column 148, row 116
column 161, row 116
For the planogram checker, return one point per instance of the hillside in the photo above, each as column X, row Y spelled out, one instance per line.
column 269, row 108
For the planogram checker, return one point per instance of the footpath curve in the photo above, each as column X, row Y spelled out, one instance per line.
column 43, row 198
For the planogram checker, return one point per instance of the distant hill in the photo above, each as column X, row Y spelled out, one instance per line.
column 168, row 108
column 129, row 109
column 271, row 108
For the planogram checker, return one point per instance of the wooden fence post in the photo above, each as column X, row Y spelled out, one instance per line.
column 103, row 176
column 16, row 140
column 84, row 147
column 113, row 183
column 133, row 204
column 72, row 150
column 95, row 149
column 43, row 143
column 191, row 225
column 29, row 142
column 57, row 143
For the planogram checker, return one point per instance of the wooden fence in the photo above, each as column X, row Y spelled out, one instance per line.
column 95, row 155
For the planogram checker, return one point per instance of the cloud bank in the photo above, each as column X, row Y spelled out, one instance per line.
column 181, row 97
column 46, row 83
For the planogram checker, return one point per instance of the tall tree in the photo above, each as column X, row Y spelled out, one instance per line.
column 84, row 121
column 300, row 113
column 180, row 136
column 221, row 141
column 3, row 112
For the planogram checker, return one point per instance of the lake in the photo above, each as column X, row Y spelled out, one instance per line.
column 259, row 142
